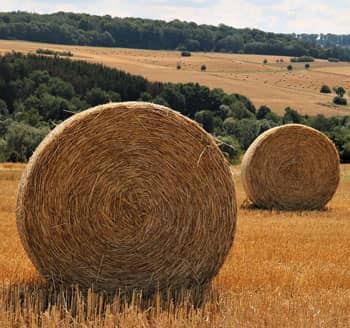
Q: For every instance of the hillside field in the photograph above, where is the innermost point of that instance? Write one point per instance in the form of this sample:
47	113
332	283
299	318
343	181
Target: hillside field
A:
285	270
270	84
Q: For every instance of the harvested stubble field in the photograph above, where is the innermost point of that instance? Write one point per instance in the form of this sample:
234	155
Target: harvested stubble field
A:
285	270
269	84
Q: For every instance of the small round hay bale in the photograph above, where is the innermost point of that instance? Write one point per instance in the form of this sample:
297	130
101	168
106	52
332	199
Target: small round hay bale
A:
127	195
291	167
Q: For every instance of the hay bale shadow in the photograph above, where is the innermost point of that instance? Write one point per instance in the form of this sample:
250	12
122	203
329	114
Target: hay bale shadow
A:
250	206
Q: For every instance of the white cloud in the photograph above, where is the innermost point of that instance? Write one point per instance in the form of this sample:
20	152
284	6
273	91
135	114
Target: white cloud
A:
35	6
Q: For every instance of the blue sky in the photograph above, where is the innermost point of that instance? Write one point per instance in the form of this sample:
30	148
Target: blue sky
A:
310	16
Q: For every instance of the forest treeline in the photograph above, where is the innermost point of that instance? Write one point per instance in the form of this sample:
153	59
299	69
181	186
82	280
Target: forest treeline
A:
38	92
328	40
84	29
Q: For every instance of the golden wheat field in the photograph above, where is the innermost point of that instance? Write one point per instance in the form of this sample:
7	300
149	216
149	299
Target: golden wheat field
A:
269	84
285	270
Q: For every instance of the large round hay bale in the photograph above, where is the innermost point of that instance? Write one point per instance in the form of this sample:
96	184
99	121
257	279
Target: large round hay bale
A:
291	167
127	195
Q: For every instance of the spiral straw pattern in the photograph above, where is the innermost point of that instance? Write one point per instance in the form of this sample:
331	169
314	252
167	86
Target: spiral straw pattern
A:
127	196
291	167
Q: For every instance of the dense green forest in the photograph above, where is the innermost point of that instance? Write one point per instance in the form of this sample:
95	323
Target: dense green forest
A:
83	29
38	92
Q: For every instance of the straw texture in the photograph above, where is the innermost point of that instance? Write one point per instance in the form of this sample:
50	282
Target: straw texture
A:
291	167
127	195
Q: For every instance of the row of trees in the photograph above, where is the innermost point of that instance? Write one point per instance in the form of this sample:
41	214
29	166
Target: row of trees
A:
37	92
54	53
83	29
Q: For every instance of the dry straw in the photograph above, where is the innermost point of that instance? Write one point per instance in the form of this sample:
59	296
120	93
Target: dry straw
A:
127	195
292	167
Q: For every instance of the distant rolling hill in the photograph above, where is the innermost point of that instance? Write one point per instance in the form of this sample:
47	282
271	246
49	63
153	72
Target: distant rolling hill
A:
107	31
265	84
